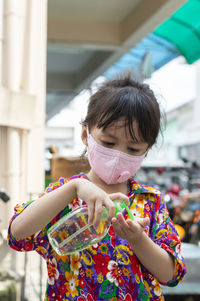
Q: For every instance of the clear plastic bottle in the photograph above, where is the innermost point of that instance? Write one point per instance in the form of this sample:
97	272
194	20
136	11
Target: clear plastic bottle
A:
73	233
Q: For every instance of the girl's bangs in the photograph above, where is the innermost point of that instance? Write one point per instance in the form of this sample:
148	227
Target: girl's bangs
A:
109	117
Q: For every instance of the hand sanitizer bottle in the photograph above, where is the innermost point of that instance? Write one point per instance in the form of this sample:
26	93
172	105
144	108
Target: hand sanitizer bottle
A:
72	232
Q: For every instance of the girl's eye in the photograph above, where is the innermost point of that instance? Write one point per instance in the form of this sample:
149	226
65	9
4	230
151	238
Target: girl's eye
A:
134	150
108	143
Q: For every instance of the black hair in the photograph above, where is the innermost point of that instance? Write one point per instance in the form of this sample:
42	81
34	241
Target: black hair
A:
128	99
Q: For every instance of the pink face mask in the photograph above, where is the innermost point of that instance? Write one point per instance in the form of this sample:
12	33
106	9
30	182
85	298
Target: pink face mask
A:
111	165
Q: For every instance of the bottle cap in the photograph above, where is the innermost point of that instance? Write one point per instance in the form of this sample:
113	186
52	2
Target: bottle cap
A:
119	207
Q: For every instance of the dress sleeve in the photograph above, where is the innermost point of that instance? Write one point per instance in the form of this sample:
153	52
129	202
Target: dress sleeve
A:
38	241
165	235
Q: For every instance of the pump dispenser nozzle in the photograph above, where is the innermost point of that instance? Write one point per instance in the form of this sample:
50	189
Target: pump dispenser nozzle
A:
119	207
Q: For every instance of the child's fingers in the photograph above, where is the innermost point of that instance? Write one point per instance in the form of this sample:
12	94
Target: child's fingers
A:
90	213
97	213
118	228
120	225
108	203
121	220
118	196
143	222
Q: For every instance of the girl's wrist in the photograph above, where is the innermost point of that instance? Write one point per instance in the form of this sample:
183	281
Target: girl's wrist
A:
73	184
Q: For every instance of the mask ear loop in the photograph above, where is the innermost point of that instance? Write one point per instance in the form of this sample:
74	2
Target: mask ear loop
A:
87	130
88	134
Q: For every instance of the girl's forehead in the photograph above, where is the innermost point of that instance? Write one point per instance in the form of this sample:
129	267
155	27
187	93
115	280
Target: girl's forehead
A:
120	128
121	125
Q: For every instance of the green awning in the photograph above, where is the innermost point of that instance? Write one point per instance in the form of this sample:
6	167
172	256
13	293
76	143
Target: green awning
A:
183	30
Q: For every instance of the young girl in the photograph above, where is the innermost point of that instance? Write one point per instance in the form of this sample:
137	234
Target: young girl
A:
135	257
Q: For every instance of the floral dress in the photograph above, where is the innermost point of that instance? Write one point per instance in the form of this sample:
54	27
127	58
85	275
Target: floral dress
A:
108	270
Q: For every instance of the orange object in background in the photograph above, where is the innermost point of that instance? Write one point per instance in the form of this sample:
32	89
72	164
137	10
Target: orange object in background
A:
180	230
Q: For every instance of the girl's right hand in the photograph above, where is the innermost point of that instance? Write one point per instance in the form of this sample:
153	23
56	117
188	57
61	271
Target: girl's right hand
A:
96	198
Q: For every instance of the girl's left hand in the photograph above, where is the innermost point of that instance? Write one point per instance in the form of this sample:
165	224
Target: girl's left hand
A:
128	229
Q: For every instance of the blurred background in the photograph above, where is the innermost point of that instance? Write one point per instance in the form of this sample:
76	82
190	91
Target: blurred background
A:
53	56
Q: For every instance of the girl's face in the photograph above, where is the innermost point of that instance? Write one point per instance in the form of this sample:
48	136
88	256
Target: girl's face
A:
118	137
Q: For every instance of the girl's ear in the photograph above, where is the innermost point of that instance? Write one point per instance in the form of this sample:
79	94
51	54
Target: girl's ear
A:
84	134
